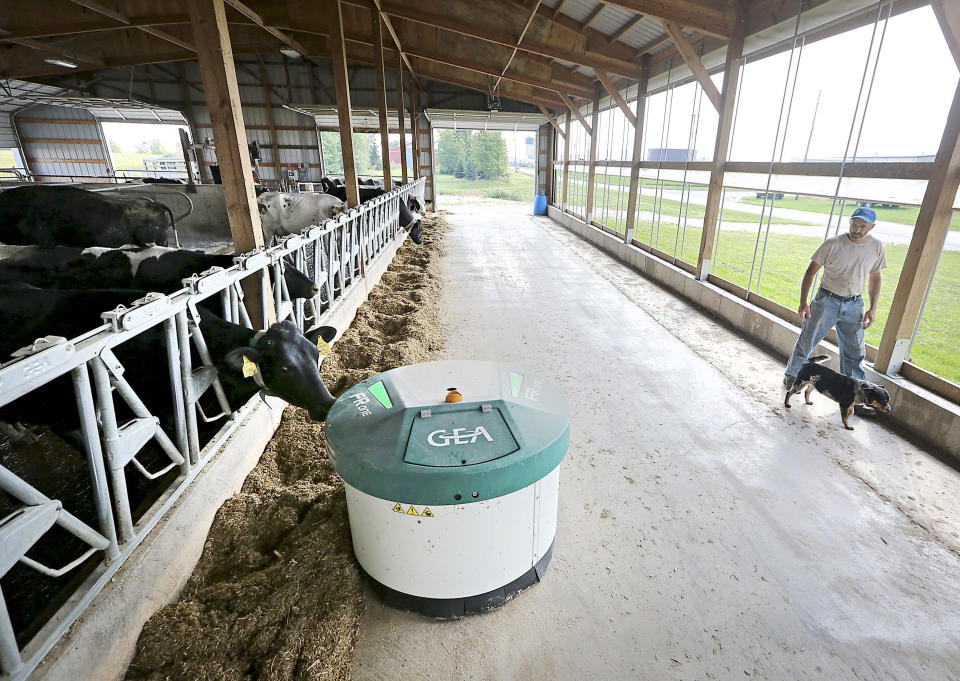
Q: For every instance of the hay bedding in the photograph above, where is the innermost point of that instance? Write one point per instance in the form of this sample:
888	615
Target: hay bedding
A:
276	593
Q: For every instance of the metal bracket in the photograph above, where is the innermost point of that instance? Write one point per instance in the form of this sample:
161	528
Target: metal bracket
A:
254	260
214	278
131	437
143	311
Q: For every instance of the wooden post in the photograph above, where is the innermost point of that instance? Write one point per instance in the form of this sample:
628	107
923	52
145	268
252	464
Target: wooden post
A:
592	172
271	123
191	121
342	86
381	97
401	119
731	76
219	78
414	130
927	241
641	109
566	160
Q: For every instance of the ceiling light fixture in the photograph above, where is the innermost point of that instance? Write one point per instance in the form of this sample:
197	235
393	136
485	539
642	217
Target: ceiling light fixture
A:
61	62
289	52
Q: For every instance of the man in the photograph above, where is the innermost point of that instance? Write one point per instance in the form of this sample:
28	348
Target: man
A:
847	261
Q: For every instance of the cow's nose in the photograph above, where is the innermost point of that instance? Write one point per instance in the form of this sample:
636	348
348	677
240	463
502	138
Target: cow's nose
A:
316	289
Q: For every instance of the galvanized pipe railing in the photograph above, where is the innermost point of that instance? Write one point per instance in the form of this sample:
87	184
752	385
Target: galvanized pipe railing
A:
348	242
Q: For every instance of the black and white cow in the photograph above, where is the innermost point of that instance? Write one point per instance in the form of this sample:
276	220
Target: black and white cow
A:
287	360
154	268
287	213
408	220
69	216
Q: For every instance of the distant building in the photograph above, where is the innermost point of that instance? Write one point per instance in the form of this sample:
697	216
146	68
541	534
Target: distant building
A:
672	155
395	155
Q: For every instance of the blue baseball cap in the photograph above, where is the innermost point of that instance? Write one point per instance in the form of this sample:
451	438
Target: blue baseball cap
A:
868	214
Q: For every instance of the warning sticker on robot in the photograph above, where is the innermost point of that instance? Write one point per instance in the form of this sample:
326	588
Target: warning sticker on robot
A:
412	510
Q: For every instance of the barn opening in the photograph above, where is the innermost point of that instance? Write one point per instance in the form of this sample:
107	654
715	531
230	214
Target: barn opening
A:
146	149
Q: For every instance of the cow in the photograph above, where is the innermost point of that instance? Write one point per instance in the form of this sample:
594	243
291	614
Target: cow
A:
155	268
287	361
409	221
69	216
283	213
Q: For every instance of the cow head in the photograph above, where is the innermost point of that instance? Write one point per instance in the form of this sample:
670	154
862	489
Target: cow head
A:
149	222
288	365
299	285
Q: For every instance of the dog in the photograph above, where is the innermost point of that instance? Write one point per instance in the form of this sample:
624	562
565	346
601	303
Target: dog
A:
838	387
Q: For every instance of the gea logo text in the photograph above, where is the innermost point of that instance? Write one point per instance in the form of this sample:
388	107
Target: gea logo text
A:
458	436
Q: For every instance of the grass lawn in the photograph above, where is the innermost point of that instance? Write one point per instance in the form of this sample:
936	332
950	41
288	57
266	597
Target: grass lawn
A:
514	187
672	208
937	348
624	181
904	215
129	160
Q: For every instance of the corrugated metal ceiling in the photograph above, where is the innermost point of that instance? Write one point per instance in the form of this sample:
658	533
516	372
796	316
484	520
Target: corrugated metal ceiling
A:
14	95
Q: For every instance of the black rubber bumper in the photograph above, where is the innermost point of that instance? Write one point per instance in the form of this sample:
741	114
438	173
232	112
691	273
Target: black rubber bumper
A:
452	608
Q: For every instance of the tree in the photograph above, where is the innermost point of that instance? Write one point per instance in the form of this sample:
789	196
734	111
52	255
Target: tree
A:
115	147
157	146
488	155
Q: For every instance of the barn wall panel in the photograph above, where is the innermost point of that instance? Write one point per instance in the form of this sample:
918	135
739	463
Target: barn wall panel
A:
67	160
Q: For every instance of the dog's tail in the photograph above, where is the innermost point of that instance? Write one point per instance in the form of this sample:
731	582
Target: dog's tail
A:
817	358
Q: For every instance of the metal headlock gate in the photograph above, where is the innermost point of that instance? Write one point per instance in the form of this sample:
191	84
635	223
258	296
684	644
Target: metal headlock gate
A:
337	250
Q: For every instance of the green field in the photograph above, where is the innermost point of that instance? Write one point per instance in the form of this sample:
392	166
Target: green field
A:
129	160
937	347
624	180
904	215
514	187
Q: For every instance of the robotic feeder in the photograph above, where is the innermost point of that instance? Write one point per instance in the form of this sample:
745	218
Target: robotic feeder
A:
452	492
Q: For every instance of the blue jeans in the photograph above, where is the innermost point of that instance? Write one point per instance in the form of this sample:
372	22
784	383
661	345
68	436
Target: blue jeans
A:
825	313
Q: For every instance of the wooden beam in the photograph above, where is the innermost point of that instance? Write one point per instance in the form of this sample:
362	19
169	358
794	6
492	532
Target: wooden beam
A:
622	31
553	121
948	14
258	20
488	32
75	29
592	173
567	86
215	54
382	98
705	16
592	16
731	76
927	242
536	6
50	48
401	119
693	62
617	97
342	86
448	75
641	104
126	21
393	34
576	112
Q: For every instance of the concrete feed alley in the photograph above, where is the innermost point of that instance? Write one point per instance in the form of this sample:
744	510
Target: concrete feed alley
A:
704	531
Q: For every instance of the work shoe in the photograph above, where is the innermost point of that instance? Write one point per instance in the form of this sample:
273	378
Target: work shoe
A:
788	382
864	410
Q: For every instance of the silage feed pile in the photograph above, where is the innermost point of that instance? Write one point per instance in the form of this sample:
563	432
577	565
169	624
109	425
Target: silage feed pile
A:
276	593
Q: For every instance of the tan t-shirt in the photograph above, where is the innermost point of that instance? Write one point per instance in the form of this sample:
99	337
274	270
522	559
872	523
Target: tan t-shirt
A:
846	264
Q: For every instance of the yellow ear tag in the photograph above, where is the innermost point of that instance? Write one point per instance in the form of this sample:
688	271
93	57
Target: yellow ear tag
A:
249	368
323	347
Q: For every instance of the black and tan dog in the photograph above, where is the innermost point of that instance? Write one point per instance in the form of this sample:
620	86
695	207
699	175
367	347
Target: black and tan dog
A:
838	387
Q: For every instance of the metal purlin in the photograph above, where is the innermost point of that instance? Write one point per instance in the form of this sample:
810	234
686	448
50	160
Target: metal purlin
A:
773	152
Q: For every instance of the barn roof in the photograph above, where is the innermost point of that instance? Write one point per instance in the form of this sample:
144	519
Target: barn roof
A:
532	51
